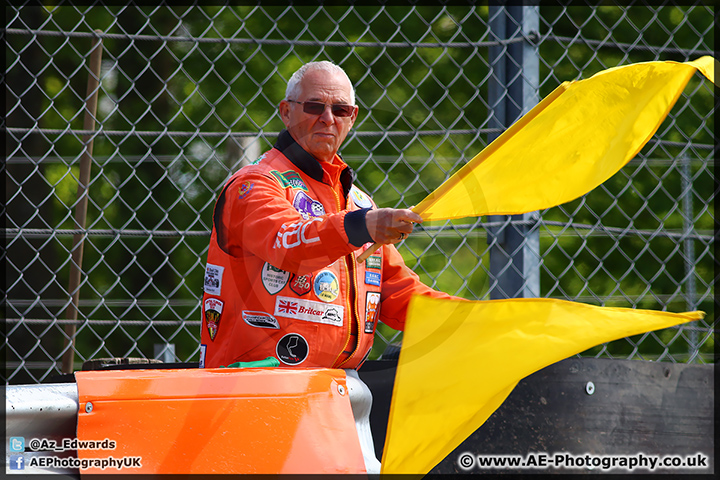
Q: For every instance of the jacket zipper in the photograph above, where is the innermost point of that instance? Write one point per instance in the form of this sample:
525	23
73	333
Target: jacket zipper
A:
350	298
355	314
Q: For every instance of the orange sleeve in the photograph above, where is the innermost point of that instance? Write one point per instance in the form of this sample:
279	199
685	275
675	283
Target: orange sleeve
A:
399	284
258	219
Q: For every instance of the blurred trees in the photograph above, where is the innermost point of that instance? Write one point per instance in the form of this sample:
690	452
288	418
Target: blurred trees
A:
194	108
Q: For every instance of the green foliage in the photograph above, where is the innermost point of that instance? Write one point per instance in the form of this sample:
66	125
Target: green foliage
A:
164	182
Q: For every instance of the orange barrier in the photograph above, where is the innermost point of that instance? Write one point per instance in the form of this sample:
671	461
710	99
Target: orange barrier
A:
200	421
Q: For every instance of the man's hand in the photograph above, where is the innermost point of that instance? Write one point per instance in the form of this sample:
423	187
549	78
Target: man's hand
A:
390	225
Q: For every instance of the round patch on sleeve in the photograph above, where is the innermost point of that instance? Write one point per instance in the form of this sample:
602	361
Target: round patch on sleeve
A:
360	198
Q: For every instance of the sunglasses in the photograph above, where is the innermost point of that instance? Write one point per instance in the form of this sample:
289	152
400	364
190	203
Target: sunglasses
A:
318	108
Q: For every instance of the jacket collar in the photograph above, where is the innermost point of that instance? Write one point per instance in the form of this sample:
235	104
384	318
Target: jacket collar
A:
307	163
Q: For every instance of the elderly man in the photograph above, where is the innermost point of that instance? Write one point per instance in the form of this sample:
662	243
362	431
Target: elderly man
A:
282	278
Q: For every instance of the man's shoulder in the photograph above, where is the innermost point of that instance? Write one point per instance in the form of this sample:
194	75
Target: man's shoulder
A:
272	169
266	163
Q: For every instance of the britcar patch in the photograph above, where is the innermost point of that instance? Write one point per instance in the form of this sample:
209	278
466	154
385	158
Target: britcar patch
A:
260	319
374	262
290	179
307	207
273	278
213	279
301	284
372	278
372	308
360	198
213	312
327	287
309	310
292	349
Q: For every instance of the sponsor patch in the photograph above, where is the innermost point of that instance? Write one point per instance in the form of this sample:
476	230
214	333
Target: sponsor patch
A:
290	179
374	262
372	308
213	313
301	284
260	319
244	189
309	310
327	287
360	198
274	279
292	349
307	207
213	279
203	348
372	278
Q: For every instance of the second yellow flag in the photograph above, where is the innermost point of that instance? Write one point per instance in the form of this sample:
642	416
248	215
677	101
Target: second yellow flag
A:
460	360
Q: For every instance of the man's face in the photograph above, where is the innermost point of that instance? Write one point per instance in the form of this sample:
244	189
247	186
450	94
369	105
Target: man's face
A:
319	135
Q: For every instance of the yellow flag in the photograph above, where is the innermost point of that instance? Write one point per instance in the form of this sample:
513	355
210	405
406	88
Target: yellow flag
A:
460	360
571	142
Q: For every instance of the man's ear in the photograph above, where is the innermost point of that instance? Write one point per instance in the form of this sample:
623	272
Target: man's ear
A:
284	111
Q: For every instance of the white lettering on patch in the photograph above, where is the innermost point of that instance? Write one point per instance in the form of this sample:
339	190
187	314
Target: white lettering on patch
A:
294	235
309	310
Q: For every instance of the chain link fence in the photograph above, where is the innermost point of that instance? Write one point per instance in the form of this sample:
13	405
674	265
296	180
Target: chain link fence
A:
123	122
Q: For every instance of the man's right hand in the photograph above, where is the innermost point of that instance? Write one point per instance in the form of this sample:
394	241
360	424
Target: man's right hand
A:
390	225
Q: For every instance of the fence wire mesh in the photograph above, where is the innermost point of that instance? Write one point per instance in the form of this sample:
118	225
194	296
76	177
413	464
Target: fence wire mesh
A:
187	95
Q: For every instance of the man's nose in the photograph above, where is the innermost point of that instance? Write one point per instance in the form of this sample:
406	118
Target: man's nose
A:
327	115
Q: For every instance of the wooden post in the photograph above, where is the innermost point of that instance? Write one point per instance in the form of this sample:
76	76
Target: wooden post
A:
91	99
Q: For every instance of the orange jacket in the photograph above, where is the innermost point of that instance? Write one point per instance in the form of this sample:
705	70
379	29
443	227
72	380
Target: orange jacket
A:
281	277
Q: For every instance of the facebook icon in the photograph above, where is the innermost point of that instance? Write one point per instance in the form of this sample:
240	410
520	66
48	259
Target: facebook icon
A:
17	462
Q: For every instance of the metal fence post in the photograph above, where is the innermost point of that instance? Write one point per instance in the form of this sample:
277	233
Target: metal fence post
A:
513	90
164	352
689	251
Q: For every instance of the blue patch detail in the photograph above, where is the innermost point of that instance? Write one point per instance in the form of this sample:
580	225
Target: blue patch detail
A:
372	278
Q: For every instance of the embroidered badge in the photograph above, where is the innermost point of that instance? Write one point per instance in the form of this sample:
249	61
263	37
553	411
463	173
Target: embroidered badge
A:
274	279
327	287
213	279
301	284
292	349
359	198
372	308
309	310
307	207
260	319
290	179
244	189
213	312
372	278
374	262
